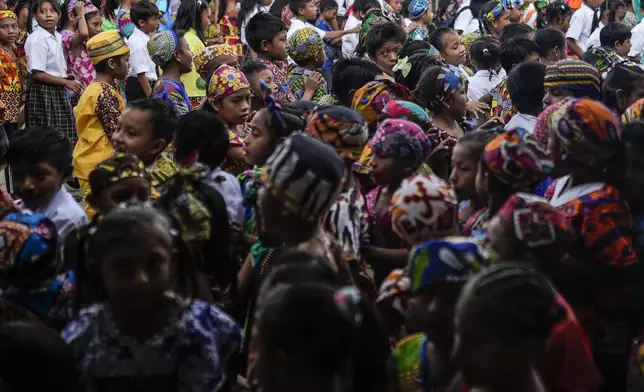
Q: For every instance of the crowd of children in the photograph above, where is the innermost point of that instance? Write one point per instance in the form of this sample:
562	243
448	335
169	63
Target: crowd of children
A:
326	195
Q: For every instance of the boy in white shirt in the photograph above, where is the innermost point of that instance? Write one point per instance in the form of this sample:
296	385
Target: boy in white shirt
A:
637	39
582	24
351	40
525	85
142	73
305	10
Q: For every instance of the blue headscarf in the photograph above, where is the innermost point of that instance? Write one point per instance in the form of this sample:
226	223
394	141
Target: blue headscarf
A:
417	8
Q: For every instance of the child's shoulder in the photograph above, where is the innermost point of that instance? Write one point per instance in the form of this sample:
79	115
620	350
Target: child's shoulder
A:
207	322
82	324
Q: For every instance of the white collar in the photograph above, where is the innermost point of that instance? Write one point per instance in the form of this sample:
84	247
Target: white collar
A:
562	194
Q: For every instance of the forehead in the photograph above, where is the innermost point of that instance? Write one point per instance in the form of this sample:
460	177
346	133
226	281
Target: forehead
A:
134	115
8	21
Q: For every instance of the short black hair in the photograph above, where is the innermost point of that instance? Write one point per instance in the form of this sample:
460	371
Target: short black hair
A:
514	30
326	5
348	75
614	32
411	47
436	37
549	38
381	34
101	67
557	10
516	51
418	62
364	5
525	85
296	5
202	132
162	116
252	68
262	27
41	144
142	11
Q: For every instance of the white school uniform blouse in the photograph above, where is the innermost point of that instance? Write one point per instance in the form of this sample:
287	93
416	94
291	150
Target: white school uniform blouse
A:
466	22
350	41
594	41
297	24
45	53
520	120
580	25
480	84
140	60
637	40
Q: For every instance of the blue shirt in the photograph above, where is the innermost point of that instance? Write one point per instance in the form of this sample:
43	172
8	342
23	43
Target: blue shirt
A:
332	51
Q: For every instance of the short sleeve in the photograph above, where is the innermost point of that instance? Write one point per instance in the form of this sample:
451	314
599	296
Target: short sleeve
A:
139	60
637	42
577	25
108	112
37	55
463	20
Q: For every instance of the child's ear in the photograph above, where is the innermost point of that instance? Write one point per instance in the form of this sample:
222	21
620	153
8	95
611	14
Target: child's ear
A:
216	105
158	146
264	45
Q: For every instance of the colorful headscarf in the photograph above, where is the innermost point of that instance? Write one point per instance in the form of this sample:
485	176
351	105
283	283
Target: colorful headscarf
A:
28	241
423	207
114	169
602	59
226	81
5	14
587	130
574	75
537	225
71	6
405	110
371	99
395	292
448	83
448	260
106	45
541	131
341	127
209	53
304	44
510	4
496	12
371	19
516	159
634	112
162	46
417	8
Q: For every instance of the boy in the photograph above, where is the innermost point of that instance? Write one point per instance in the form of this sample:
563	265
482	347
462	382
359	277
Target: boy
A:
256	72
146	128
10	81
582	24
99	108
383	43
552	45
525	85
332	48
170	51
40	164
142	74
266	36
360	9
616	37
305	10
306	48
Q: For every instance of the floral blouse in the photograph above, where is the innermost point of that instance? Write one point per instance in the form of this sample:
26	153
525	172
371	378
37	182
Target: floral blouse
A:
11	85
79	64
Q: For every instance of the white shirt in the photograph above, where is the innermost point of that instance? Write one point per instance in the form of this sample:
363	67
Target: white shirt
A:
637	40
255	11
466	22
297	24
65	213
520	120
228	186
45	53
480	84
593	41
580	25
140	60
532	12
343	6
350	41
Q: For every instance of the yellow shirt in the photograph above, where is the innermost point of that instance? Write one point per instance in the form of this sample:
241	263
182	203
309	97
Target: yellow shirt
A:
189	80
97	114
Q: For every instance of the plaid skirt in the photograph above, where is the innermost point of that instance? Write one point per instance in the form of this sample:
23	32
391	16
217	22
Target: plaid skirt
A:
47	105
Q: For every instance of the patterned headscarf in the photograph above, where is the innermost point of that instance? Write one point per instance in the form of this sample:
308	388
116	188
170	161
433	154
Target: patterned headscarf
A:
574	75
510	4
602	59
341	127
496	12
400	139
634	112
4	14
423	207
448	83
162	46
541	131
587	130
304	44
371	99
28	241
395	292
114	169
226	81
516	159
209	53
371	19
405	110
537	225
448	260
71	6
417	8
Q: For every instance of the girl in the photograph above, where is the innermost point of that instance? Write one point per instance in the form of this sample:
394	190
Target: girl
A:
349	75
570	78
140	325
449	45
192	17
623	85
557	15
420	14
484	55
525	310
494	17
123	20
46	96
229	97
408	70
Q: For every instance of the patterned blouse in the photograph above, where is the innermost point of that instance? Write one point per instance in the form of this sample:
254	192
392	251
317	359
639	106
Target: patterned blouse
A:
502	103
161	170
296	81
231	35
79	64
190	354
418	34
283	96
174	93
11	85
124	23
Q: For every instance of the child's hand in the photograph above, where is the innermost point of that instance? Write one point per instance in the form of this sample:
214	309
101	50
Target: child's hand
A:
477	107
74	85
79	9
356	29
313	82
492	122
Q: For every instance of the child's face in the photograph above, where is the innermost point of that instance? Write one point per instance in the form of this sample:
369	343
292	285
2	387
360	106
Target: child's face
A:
133	190
216	63
121	67
499	243
94	25
259	143
23	16
396	5
464	168
276	48
9	31
385	170
47	17
36	183
205	18
387	55
235	108
453	50
184	56
620	14
150	25
320	59
563	24
309	11
622	48
136	136
329	14
516	15
503	21
267	77
457	106
554	95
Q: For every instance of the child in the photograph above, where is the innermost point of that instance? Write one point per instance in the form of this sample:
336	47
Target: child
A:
623	85
637	40
484	55
306	48
46	97
383	43
516	29
332	48
177	341
349	75
409	70
494	17
266	35
229	98
169	51
207	60
552	44
570	78
40	160
123	18
451	48
515	8
146	128
255	74
525	85
351	42
192	18
305	10
247	10
617	37
612	11
11	83
421	16
557	15
142	73
99	108
582	24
